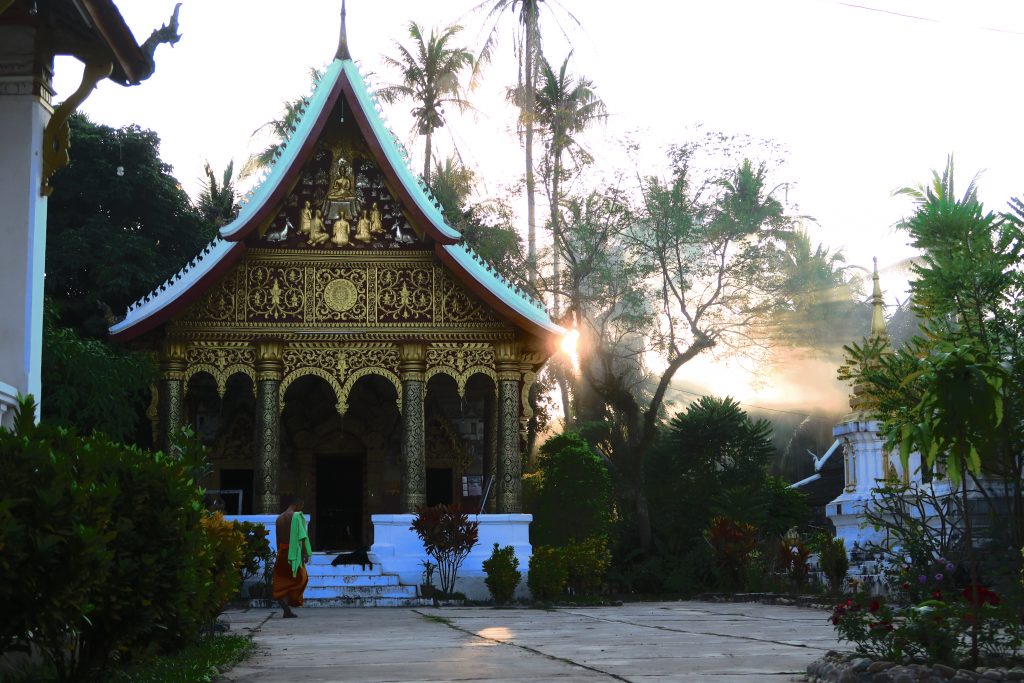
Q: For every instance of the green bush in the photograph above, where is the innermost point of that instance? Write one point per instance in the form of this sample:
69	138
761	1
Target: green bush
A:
55	526
572	497
548	573
102	555
587	564
226	544
832	560
503	575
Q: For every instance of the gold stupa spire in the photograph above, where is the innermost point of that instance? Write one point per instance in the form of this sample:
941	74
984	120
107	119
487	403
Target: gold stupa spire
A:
877	306
342	52
858	400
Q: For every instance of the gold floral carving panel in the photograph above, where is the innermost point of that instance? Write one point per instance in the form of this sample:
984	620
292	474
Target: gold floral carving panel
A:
221	360
321	292
461	361
341	366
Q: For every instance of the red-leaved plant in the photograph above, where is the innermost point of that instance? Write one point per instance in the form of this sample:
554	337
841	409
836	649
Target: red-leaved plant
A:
448	535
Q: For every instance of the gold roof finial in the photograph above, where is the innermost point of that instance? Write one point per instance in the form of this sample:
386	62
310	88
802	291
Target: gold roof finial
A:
877	306
342	52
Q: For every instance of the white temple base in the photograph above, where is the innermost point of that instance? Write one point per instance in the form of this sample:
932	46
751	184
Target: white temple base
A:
400	551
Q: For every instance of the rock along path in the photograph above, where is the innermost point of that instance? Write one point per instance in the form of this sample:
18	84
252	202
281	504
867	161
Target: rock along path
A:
638	642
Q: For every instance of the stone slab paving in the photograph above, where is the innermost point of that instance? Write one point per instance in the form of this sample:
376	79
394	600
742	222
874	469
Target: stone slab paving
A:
638	642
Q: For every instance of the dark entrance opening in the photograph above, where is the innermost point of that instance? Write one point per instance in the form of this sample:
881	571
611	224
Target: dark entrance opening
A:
439	486
237	480
339	502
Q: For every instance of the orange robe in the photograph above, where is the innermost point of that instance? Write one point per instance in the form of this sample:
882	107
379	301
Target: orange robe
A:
286	585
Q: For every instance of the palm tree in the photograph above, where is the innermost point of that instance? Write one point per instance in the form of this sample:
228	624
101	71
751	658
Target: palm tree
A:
430	77
565	107
218	201
528	49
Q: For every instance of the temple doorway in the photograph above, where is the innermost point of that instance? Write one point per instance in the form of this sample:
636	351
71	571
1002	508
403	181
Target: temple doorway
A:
339	502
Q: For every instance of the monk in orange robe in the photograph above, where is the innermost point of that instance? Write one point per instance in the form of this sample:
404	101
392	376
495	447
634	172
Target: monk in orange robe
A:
290	576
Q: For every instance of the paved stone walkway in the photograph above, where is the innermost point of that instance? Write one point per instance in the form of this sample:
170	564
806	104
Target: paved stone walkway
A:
638	642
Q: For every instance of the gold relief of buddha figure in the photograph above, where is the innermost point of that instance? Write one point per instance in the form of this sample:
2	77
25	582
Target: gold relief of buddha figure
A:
317	231
305	218
341	232
363	228
376	223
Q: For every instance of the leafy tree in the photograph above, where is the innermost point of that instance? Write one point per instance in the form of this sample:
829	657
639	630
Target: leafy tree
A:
574	498
92	385
954	392
111	238
218	203
430	78
822	305
528	51
696	268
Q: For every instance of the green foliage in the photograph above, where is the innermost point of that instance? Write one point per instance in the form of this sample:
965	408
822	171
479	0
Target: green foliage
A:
503	575
110	237
548	573
255	550
218	202
732	544
793	554
832	559
201	662
103	552
934	628
573	500
226	543
448	535
587	563
91	384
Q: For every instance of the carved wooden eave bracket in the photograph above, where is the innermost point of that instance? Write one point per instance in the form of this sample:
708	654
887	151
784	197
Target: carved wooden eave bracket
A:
57	135
115	56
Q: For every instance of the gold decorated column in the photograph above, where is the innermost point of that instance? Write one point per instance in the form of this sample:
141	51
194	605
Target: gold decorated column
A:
412	365
269	368
490	459
171	392
510	464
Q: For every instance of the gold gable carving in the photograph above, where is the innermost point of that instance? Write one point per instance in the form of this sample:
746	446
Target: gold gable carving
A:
281	291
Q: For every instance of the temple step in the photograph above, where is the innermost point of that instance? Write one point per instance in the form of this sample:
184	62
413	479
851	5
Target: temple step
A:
335	579
348	591
367	602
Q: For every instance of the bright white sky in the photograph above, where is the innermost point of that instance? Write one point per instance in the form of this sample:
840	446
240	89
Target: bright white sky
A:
864	100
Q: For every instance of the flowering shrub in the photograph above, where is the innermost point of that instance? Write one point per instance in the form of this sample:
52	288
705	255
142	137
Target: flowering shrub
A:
935	626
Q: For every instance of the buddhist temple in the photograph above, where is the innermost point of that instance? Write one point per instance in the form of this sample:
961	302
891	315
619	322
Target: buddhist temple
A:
340	342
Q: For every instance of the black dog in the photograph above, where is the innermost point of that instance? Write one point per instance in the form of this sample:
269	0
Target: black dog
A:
359	557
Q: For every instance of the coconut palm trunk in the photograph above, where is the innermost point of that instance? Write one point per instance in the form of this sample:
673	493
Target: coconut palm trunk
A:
530	66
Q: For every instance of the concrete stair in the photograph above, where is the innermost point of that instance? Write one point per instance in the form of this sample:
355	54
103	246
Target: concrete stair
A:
349	585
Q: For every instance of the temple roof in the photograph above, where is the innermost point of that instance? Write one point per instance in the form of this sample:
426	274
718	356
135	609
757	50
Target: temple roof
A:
341	80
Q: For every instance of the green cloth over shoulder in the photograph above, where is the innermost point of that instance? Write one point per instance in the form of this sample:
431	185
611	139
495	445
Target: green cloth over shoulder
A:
298	542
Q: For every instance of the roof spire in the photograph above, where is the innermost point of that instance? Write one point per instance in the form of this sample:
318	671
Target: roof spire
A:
342	52
877	306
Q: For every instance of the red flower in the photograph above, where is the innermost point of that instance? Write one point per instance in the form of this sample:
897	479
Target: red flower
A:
937	595
874	606
980	595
